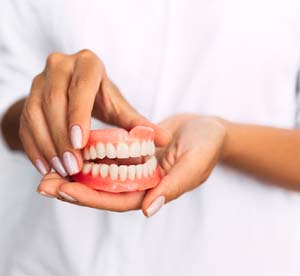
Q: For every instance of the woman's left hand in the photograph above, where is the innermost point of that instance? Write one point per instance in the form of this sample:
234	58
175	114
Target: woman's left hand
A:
186	163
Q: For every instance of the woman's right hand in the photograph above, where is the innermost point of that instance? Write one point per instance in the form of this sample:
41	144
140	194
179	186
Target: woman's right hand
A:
55	121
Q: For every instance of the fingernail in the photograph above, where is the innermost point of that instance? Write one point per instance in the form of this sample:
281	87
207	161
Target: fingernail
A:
45	194
155	206
70	163
67	197
58	166
40	166
76	137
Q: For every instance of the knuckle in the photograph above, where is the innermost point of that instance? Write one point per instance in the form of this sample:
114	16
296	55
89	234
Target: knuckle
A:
50	98
30	111
37	79
79	82
86	53
53	59
177	191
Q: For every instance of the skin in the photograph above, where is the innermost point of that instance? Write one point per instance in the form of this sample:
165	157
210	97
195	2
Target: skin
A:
190	144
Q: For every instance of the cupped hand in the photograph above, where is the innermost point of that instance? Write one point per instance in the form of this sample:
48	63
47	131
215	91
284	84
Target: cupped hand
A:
186	162
55	121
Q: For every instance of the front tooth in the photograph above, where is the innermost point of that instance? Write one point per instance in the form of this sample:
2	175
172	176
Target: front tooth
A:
111	151
131	172
135	149
100	148
144	150
113	171
139	171
86	154
93	152
122	150
95	170
86	168
151	148
145	170
123	172
104	170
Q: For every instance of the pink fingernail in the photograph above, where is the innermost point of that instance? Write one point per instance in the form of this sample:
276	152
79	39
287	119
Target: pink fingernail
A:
76	137
40	166
70	163
155	206
45	194
58	166
67	197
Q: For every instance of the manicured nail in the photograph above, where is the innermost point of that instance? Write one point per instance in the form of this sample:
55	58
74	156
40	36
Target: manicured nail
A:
155	206
70	163
40	166
67	197
58	166
45	194
76	137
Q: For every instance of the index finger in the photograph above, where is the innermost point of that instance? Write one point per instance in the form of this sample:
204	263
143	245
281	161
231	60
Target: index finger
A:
87	76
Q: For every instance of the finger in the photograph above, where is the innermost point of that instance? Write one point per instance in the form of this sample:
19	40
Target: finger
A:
182	177
114	109
74	192
32	150
33	118
55	108
85	84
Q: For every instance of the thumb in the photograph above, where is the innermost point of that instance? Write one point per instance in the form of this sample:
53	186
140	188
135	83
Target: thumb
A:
111	107
181	178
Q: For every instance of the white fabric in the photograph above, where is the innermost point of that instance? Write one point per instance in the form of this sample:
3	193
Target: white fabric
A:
235	59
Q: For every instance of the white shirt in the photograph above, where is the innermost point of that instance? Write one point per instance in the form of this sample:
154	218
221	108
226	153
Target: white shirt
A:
234	59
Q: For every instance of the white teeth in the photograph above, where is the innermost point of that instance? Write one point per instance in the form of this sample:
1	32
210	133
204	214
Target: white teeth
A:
139	171
145	170
86	168
104	170
86	154
100	148
95	170
131	172
151	148
135	149
93	153
123	172
113	171
144	148
111	151
122	150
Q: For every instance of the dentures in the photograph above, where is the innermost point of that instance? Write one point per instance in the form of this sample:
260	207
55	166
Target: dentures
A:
119	161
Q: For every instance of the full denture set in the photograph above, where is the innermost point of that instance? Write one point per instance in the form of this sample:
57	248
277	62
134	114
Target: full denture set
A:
119	161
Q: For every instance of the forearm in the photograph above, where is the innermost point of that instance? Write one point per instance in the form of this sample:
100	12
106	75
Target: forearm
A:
270	153
10	125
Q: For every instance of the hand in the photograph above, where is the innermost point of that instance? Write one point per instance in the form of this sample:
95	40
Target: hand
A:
186	163
55	121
